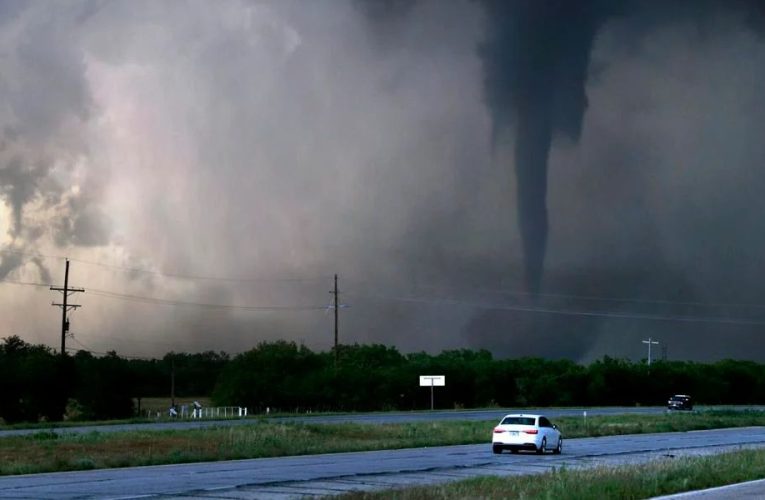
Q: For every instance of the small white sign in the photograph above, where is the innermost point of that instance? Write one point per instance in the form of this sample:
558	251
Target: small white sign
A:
432	380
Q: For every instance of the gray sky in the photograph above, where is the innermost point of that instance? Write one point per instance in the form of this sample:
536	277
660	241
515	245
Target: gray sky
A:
277	143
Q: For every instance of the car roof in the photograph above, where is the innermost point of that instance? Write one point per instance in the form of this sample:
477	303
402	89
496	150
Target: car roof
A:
527	415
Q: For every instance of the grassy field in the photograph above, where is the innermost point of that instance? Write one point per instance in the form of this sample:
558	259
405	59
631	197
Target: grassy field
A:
573	427
643	481
157	409
47	451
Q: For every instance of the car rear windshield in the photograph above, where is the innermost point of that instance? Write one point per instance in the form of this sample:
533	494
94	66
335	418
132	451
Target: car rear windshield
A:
519	421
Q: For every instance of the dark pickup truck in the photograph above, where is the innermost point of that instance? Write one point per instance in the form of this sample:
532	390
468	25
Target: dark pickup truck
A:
680	402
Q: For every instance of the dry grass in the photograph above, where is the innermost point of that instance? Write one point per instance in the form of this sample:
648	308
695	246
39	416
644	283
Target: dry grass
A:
47	451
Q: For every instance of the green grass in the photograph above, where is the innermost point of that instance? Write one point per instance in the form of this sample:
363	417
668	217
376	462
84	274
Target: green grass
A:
573	427
661	477
46	451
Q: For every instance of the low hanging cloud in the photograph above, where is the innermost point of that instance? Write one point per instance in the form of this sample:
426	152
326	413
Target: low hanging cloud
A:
43	115
289	141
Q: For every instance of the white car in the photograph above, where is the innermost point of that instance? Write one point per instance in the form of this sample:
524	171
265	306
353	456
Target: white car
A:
526	432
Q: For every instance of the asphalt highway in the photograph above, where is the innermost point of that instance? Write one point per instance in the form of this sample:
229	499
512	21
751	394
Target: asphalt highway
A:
291	477
371	418
749	490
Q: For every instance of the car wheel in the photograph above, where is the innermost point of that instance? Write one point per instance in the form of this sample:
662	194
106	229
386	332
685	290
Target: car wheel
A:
541	449
496	449
559	449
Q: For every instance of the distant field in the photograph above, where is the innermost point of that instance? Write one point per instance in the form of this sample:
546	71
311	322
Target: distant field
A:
151	410
47	451
162	405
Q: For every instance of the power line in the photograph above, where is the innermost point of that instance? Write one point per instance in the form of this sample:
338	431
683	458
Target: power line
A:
169	302
98	353
593	298
484	305
89	349
570	312
173	275
433	301
26	283
204	278
179	276
31	254
130	338
76	341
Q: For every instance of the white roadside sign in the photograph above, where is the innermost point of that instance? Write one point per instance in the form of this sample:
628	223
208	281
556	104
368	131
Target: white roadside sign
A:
432	380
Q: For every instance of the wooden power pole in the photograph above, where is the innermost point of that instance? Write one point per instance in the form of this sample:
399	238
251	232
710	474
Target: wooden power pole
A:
65	306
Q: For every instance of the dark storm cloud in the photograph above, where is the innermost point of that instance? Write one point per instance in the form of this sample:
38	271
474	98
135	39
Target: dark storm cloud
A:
42	269
9	262
532	48
536	60
19	184
45	101
428	150
81	221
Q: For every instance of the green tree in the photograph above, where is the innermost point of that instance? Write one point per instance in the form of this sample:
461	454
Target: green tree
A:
275	375
105	386
34	382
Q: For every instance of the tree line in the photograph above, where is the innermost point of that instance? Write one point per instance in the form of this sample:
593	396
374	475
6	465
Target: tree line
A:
39	384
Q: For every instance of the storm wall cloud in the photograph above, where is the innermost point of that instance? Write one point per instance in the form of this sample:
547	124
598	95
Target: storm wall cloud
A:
446	159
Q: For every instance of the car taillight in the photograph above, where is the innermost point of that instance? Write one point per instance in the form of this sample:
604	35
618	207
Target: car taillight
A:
532	431
497	430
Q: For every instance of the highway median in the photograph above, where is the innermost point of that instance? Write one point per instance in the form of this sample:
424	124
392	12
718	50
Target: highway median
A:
48	451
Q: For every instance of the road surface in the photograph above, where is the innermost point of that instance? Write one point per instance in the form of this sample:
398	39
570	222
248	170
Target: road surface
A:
749	490
291	477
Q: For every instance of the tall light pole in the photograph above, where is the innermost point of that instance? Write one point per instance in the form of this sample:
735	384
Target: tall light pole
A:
649	342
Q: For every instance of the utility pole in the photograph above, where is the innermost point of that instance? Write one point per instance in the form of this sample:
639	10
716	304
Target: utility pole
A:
65	306
649	342
172	382
337	309
336	306
336	294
